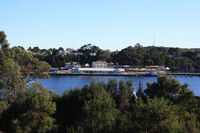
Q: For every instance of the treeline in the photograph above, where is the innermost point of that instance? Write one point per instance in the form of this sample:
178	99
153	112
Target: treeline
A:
178	59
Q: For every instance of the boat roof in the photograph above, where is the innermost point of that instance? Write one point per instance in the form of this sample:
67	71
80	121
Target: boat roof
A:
100	69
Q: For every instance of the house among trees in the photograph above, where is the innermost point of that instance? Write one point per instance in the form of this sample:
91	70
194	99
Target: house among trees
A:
69	51
70	65
99	64
93	54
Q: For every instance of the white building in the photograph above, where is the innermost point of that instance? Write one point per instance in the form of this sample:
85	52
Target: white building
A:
69	51
70	65
93	54
99	64
98	70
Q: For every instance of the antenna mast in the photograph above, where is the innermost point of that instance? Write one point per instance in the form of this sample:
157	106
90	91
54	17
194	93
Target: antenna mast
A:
154	39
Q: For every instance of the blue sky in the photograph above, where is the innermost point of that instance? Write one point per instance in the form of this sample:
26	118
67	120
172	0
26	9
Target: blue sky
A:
109	24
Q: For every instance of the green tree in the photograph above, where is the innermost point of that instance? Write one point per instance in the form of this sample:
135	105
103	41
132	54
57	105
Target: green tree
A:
16	65
125	94
112	86
171	89
189	123
69	110
11	81
30	66
164	87
155	116
104	55
3	42
36	49
37	116
100	115
140	92
100	110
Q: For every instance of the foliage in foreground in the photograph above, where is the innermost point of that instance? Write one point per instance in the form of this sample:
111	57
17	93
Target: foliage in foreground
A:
105	107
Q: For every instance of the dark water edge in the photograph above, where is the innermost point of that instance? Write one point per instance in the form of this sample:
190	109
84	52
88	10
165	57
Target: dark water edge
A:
61	83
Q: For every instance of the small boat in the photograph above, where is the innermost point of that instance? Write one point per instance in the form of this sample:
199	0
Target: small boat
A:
152	74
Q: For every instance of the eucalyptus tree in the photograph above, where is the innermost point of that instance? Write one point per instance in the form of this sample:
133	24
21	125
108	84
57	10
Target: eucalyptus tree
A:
16	65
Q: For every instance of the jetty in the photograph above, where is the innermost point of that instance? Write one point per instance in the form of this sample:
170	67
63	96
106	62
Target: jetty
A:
70	73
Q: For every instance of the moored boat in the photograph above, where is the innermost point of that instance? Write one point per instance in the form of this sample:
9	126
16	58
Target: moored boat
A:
152	74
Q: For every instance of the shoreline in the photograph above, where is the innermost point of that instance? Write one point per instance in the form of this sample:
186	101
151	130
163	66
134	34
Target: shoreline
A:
96	74
125	74
183	74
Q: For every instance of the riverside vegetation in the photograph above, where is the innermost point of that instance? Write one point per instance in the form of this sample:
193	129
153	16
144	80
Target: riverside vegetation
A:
165	106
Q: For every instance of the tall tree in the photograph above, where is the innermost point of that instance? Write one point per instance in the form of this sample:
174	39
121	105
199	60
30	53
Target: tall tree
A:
37	116
16	65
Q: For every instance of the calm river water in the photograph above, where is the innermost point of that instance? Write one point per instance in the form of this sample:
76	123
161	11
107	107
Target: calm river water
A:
62	83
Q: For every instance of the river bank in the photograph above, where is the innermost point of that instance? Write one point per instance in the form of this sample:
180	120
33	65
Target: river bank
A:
70	73
153	74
